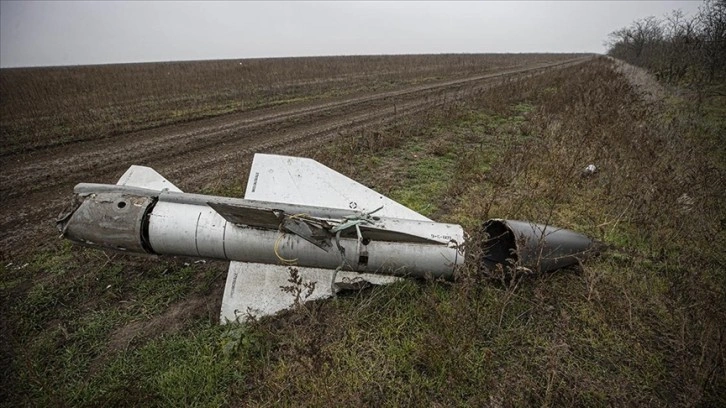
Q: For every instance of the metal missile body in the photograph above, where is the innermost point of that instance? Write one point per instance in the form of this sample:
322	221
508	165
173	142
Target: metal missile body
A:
295	212
170	223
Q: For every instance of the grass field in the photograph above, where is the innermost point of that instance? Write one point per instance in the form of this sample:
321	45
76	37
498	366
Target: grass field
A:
639	325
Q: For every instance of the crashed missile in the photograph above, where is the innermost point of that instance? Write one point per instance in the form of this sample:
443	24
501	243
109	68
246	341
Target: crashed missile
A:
335	231
295	212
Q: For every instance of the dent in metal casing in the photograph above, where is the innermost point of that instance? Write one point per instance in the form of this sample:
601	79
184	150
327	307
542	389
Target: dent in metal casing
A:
110	220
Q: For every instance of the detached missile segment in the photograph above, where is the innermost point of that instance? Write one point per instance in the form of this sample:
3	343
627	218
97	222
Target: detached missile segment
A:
295	212
536	247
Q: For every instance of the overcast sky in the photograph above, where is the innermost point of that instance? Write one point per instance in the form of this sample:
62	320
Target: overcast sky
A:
72	33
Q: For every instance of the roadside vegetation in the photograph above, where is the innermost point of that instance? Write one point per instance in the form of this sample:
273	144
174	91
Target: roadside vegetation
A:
685	50
639	325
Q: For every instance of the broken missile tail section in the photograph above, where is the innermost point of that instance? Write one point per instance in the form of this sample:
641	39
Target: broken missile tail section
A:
296	212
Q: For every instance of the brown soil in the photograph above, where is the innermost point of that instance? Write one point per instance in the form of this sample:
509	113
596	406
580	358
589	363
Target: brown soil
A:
35	186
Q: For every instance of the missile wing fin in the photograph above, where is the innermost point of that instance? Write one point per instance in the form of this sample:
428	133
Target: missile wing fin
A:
302	181
146	177
255	289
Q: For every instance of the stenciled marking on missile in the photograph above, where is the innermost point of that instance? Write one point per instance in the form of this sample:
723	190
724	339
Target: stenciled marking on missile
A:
438	236
254	183
234	282
353	205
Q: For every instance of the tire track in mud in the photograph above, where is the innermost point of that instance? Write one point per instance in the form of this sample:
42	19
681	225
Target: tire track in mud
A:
34	187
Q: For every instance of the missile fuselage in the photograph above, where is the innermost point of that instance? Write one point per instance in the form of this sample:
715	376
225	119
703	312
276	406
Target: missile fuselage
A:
297	217
297	213
133	219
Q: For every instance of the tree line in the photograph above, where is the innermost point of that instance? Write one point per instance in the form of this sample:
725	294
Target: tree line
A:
677	48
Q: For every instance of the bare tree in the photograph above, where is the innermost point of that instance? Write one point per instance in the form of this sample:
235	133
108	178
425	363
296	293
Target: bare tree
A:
713	31
677	48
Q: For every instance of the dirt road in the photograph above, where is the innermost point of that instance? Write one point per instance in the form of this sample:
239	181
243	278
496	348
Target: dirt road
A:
35	186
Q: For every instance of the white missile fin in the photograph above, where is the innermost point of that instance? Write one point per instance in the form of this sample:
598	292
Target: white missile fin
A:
146	177
254	289
302	181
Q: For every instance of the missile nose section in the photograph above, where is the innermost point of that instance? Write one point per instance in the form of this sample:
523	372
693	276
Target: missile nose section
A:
538	247
114	220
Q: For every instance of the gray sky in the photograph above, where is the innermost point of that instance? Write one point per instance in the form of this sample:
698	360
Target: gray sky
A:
71	33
